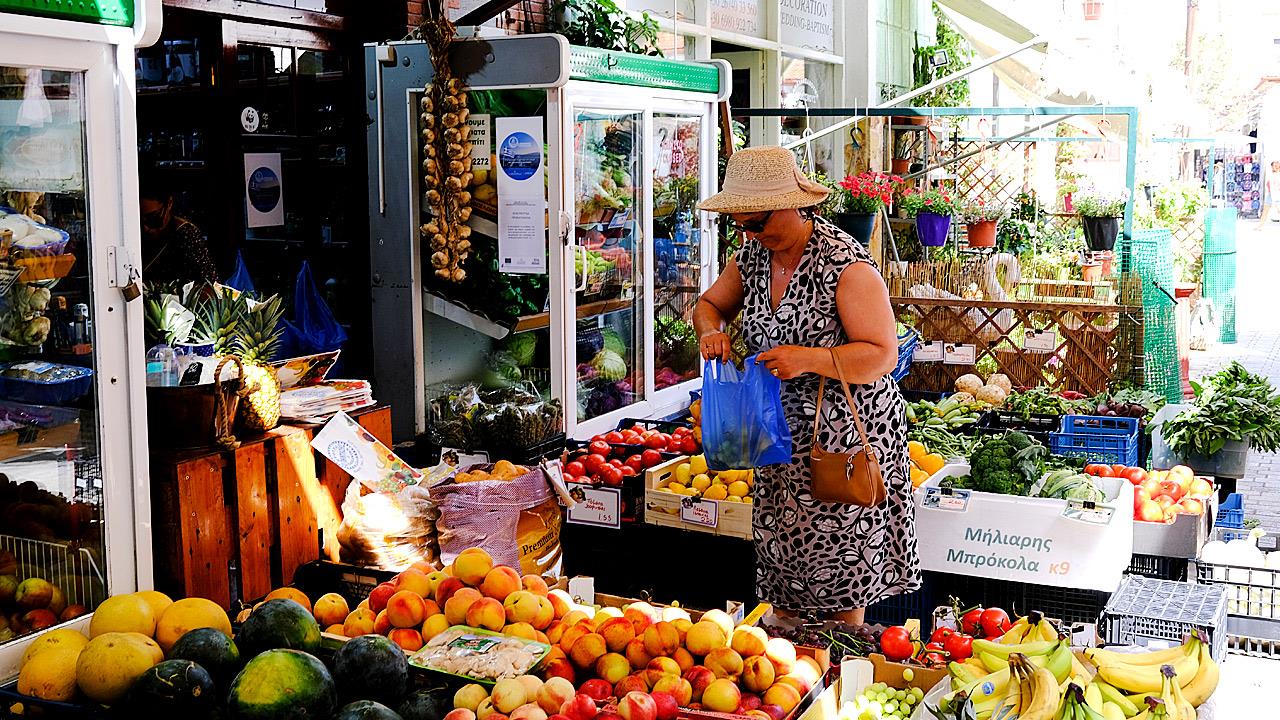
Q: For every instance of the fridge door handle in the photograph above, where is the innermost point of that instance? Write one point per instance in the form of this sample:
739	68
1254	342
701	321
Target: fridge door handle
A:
386	55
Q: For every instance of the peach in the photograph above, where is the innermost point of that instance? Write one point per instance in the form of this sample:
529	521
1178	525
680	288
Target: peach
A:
559	668
459	604
674	613
520	630
500	582
532	684
446	589
782	695
406	609
555	631
576	617
546	614
606	613
460	713
435	578
666	706
434	625
529	711
617	633
749	641
535	584
382	623
641	615
699	678
33	594
359	622
658	667
661	638
704	637
683	626
486	710
331	609
580	707
634	682
774	712
750	701
612	667
334	629
797	681
407	638
487	613
808	668
556	653
725	663
683	658
637	706
415	581
596	689
561	602
572	636
522	606
471	566
722	695
676	687
470	696
720	618
379	596
587	650
783	655
508	694
39	619
554	693
757	673
636	653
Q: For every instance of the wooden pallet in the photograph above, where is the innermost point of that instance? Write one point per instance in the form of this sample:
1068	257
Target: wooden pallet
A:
233	525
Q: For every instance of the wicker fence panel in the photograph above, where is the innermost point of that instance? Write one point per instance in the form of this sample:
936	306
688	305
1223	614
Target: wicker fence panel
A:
1188	249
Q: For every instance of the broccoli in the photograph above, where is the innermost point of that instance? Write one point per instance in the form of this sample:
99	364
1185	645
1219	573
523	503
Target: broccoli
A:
1007	464
1019	441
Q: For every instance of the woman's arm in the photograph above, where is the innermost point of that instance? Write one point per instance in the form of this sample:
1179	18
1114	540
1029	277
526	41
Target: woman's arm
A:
718	305
862	301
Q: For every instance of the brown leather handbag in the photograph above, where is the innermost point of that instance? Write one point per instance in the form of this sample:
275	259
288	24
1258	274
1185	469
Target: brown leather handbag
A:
848	478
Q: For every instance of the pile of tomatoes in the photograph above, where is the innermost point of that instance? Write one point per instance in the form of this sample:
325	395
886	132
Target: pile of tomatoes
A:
680	440
945	644
1160	496
609	465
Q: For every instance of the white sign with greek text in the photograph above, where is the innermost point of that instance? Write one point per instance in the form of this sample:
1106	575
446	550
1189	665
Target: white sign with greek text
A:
700	512
597	506
522	224
481	141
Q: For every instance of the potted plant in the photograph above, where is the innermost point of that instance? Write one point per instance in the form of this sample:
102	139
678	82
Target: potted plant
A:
981	219
861	197
1100	214
901	163
932	210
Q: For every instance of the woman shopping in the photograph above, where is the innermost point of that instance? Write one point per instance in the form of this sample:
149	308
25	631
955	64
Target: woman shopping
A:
810	297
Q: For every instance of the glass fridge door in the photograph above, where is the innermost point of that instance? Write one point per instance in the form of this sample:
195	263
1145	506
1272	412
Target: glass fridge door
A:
608	258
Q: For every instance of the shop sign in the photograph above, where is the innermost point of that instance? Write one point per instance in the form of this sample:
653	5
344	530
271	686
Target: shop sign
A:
595	506
744	17
263	190
481	141
522	229
808	24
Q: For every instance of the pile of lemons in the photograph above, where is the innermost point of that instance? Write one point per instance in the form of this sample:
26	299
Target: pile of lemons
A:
694	479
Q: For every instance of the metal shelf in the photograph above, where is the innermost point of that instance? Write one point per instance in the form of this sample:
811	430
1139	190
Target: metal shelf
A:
464	317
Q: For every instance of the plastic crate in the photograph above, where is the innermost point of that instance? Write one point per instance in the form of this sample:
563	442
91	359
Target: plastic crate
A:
907	343
56	392
1036	425
1146	609
1097	439
1070	605
1231	512
350	581
897	609
1158	567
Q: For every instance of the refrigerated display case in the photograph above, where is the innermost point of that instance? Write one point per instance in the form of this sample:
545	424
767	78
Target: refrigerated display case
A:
606	332
74	510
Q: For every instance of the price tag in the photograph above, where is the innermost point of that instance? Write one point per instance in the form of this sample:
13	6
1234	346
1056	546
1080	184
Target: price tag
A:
948	499
1040	340
700	512
595	506
957	354
928	352
461	458
1088	512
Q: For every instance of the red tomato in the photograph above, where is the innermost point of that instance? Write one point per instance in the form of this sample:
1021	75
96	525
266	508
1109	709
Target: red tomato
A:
959	646
933	659
610	475
941	634
971	622
616	462
631	437
689	445
895	643
649	458
655	441
599	447
995	622
575	469
613	437
1098	470
628	471
635	461
681	431
646	433
597	438
1134	475
593	462
1172	489
639	429
1117	470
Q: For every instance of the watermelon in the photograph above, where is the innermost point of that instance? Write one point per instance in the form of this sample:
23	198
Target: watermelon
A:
173	688
366	710
281	685
370	667
211	650
279	624
426	704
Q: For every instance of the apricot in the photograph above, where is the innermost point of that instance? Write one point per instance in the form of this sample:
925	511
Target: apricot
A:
612	667
379	596
500	582
783	655
617	633
520	630
536	585
446	589
722	695
470	696
415	581
699	677
382	623
532	684
359	622
677	687
575	617
587	650
683	658
522	606
556	691
434	625
561	602
571	637
757	673
555	631
782	695
749	641
407	638
406	609
559	668
331	609
725	663
471	567
546	613
508	694
636	653
658	667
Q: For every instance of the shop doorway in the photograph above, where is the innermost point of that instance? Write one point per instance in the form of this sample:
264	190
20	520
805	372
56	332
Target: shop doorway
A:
748	89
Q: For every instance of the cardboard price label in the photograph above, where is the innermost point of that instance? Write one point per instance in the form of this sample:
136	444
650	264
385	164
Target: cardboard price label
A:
954	354
931	351
700	512
1040	341
595	506
947	499
1088	511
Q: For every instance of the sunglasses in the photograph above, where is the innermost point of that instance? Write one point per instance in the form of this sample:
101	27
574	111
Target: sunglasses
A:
752	226
153	220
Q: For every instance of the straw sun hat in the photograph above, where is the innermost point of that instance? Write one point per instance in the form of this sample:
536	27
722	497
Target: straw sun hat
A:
761	179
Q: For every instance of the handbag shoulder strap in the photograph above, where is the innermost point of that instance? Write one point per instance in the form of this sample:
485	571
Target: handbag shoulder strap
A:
853	407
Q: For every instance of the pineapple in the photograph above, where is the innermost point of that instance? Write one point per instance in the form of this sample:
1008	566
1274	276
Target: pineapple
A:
257	337
218	312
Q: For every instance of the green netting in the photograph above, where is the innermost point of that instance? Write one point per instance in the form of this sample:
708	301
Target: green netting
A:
1220	268
612	66
1152	257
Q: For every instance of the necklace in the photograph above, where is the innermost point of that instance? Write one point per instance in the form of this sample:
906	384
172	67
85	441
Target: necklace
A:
787	269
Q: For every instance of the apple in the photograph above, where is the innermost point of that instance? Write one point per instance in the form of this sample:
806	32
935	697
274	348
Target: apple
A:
596	689
1150	511
1200	488
580	707
1172	489
1191	506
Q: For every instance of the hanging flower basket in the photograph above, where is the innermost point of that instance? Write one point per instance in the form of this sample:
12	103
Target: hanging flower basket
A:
1100	232
932	229
982	234
859	225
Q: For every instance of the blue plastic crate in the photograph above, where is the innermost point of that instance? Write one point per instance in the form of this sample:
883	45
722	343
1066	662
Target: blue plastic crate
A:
1097	438
1231	512
906	350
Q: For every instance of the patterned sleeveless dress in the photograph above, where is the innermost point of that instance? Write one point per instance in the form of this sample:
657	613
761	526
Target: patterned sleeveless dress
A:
813	556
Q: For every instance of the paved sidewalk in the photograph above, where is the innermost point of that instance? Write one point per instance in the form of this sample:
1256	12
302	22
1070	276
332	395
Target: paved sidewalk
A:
1258	349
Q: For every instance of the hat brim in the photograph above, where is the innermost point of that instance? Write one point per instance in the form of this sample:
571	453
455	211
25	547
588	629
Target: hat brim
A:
727	202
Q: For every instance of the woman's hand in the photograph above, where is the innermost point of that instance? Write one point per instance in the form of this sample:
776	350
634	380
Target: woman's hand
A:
715	344
787	361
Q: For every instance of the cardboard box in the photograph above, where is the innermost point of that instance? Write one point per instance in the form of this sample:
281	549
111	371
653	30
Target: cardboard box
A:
843	688
1024	539
719	517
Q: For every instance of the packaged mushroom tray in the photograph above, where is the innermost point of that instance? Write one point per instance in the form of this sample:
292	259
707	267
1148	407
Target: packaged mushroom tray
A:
479	655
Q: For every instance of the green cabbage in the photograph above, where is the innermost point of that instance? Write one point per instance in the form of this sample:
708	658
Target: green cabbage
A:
614	342
609	365
520	347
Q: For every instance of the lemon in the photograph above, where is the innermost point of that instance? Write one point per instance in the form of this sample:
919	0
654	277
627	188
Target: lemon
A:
731	498
698	464
692	492
739	489
747	500
683	473
716	492
701	482
668	489
676	487
916	449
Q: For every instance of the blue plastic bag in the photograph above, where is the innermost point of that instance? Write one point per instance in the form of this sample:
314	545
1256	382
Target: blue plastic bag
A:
240	279
314	329
743	425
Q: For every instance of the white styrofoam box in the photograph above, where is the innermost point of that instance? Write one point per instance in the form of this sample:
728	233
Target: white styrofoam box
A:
1024	539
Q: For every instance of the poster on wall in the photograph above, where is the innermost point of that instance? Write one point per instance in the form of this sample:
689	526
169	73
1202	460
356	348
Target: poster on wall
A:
522	223
808	24
263	190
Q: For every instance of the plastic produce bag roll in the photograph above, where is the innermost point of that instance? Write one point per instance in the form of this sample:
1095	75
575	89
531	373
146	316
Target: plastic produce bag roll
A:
743	425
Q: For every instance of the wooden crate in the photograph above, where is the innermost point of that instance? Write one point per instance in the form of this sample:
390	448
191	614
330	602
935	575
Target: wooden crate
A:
233	525
664	508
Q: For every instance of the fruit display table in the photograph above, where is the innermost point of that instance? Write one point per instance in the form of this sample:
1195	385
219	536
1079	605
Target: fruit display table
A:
231	525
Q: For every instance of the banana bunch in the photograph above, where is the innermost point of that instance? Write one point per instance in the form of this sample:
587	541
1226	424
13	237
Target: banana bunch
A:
989	679
1076	705
446	152
1181	677
1029	627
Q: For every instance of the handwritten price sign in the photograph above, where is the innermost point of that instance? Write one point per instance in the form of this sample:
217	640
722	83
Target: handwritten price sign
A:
599	507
